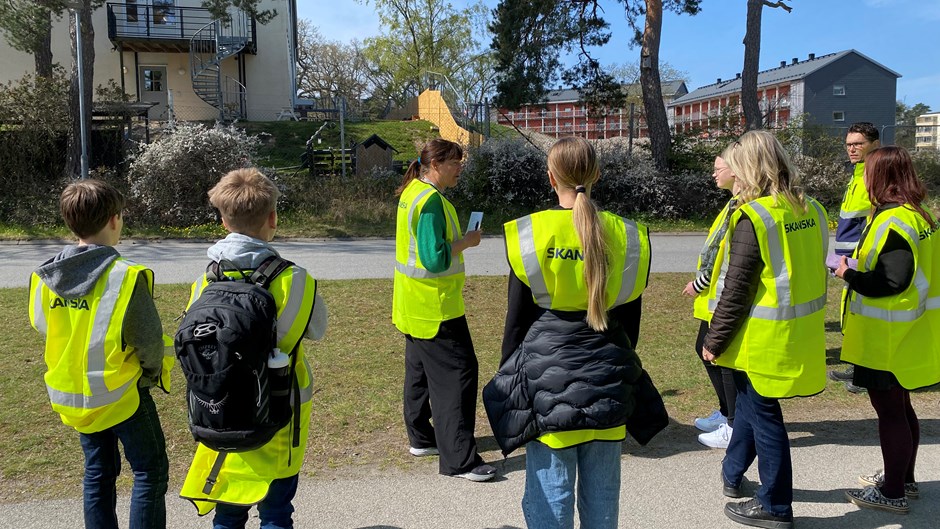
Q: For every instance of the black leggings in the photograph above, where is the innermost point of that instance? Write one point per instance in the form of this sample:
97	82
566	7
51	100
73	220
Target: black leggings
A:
900	436
722	379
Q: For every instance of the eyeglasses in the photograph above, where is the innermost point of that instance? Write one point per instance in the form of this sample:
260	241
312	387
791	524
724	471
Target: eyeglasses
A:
856	145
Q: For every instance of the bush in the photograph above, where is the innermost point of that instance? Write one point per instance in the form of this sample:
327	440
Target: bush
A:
170	178
33	125
504	177
631	186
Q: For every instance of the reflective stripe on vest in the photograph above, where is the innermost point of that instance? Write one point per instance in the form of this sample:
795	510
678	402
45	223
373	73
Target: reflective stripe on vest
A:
855	202
100	394
784	309
533	268
410	269
920	282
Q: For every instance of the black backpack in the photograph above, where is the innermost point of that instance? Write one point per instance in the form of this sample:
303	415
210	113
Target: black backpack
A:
236	402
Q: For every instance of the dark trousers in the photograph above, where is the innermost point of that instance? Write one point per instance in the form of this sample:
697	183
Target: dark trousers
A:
275	510
759	432
441	385
899	432
145	450
722	379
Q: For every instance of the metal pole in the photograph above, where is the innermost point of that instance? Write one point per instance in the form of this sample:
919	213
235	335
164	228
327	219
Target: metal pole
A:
81	92
342	133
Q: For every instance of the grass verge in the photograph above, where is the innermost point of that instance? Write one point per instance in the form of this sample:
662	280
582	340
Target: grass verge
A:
358	379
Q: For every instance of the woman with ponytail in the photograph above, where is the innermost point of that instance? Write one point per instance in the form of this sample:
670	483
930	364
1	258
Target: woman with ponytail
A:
441	369
569	377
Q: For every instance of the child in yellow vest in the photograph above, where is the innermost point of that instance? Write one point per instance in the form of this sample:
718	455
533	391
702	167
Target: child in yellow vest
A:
267	476
104	351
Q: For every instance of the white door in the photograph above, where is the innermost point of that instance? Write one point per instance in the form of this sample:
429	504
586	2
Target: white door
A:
153	88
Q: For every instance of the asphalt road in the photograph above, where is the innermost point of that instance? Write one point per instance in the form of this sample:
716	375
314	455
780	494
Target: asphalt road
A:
183	261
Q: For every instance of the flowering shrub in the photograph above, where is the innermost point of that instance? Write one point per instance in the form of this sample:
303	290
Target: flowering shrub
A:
170	178
504	175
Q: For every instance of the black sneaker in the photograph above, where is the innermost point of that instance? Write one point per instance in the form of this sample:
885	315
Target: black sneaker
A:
729	490
751	513
482	472
852	388
843	376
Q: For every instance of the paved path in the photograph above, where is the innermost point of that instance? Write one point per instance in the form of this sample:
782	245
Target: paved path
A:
182	261
673	483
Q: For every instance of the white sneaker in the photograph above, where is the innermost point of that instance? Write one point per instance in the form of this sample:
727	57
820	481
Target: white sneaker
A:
711	423
423	452
717	439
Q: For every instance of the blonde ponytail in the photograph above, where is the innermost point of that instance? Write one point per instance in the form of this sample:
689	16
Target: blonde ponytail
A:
573	163
591	233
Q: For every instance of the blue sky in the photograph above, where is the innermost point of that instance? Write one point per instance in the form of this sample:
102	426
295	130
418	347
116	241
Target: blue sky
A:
899	34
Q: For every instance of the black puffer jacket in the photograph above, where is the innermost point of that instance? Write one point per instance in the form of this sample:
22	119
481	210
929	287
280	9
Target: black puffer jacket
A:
563	377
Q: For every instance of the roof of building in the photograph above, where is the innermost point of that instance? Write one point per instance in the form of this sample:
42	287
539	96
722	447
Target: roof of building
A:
787	72
375	139
670	89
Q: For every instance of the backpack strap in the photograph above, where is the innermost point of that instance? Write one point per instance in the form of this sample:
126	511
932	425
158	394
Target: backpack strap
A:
262	276
268	270
214	473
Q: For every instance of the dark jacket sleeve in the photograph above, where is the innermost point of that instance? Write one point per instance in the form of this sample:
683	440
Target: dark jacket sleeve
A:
741	282
892	274
628	316
521	313
144	333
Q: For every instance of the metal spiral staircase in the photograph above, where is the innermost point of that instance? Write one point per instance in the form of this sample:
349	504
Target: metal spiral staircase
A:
213	43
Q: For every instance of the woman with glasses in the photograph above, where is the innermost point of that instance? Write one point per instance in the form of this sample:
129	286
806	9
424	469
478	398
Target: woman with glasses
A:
890	317
719	425
441	369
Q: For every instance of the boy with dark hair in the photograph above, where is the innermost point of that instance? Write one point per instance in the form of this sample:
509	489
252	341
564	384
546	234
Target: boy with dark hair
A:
861	139
231	482
104	350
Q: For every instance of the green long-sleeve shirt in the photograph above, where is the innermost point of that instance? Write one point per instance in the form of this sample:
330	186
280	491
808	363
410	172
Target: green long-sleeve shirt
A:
433	248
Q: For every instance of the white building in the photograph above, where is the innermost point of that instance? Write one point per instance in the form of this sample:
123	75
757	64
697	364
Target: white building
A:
173	52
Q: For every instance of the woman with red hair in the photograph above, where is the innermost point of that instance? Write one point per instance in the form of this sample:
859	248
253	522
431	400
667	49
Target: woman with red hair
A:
891	309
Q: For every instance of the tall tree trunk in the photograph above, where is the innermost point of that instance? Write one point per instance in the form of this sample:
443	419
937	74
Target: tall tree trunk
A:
752	113
657	122
73	166
43	54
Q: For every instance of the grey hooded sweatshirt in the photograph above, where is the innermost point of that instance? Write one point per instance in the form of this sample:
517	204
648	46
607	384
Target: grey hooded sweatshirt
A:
248	253
73	274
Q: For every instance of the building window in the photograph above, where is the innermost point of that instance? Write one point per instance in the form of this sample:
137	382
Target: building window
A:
838	116
838	90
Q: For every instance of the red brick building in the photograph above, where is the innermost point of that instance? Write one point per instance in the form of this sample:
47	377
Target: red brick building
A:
564	114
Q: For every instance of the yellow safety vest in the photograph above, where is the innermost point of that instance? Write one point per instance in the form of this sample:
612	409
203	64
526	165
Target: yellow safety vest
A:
545	253
244	477
423	299
855	203
782	344
91	377
899	333
701	303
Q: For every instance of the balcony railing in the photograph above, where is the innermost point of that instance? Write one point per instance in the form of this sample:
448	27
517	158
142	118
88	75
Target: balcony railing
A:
161	23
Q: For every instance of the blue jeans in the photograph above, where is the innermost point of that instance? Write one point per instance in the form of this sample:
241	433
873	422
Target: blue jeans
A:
550	475
759	432
275	509
145	450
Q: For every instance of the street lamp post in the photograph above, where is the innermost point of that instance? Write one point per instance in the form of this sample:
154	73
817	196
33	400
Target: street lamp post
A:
76	7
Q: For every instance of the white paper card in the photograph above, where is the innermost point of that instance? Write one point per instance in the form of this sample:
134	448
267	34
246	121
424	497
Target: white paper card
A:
476	220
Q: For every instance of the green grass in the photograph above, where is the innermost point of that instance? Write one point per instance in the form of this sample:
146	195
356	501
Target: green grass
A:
284	141
358	378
